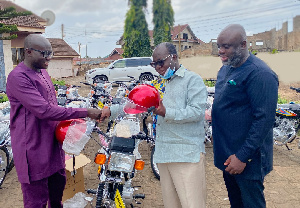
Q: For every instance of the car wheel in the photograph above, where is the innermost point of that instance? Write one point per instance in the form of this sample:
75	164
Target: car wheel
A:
101	78
146	77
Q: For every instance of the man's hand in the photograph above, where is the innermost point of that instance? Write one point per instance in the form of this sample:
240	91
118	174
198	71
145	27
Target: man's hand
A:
93	113
160	110
105	114
234	165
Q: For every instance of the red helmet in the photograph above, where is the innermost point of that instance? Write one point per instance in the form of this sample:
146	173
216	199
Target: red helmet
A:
142	97
63	126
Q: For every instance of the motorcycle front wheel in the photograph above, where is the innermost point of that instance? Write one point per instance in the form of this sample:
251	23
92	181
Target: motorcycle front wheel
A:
99	196
4	158
11	165
154	165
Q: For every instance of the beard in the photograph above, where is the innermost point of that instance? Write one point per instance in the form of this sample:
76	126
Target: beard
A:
40	64
236	58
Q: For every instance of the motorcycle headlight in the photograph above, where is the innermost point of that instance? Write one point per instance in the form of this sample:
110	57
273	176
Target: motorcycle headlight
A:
121	162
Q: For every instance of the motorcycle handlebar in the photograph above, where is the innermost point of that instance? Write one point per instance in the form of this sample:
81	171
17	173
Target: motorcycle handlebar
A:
296	89
140	135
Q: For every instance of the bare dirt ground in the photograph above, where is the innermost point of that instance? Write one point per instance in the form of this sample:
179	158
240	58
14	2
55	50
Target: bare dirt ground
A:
282	186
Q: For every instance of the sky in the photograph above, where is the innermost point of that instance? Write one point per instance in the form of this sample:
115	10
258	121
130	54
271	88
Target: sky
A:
96	25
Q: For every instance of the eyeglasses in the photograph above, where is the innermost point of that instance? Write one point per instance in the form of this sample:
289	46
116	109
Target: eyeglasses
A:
46	54
159	62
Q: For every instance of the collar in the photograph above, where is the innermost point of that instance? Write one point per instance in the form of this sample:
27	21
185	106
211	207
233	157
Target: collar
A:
180	71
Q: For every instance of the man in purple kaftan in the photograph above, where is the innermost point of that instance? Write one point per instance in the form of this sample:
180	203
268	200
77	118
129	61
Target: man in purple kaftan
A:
39	158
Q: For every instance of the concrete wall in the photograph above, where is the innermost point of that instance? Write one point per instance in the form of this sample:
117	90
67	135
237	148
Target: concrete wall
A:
7	57
61	68
19	42
204	49
281	40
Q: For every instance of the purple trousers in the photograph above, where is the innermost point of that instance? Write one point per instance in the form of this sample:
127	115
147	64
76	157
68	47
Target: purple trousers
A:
38	193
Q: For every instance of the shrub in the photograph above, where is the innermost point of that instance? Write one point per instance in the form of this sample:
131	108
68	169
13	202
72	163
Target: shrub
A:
57	82
254	52
274	51
210	82
282	100
3	97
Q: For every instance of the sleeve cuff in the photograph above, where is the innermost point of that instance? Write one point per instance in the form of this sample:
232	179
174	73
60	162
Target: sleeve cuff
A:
170	114
242	156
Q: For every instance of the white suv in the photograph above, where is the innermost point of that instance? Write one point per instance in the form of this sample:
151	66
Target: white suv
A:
119	70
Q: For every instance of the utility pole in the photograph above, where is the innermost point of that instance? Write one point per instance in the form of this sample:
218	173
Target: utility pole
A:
179	38
62	31
79	44
86	51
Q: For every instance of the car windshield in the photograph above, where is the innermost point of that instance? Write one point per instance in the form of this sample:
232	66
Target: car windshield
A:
110	65
119	64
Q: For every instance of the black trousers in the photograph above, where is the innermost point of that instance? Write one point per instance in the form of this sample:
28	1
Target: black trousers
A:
244	193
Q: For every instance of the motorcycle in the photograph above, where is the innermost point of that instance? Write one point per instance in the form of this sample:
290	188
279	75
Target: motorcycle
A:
124	87
286	123
6	155
68	96
99	95
119	160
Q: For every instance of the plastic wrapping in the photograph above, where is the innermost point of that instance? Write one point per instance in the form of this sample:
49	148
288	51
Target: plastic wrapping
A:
132	108
126	128
72	93
5	111
78	134
103	141
77	201
4	131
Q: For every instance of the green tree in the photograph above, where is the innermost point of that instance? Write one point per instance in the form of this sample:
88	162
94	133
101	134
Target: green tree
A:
163	20
6	14
136	35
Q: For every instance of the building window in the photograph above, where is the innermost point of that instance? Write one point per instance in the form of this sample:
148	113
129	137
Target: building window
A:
17	55
259	43
185	36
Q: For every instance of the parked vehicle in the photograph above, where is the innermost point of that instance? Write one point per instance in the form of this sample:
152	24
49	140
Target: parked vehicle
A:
6	155
124	87
119	70
68	96
100	94
287	123
119	160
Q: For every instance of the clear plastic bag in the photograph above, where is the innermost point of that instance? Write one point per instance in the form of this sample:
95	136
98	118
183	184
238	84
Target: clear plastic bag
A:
77	136
77	201
126	128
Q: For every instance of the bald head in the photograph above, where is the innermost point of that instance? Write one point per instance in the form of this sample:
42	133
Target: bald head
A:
35	40
236	33
38	52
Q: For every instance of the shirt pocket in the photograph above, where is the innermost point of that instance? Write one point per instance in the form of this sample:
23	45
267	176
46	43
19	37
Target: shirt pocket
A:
234	89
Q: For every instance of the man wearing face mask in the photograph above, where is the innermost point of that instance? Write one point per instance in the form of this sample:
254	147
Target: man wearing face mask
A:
179	147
